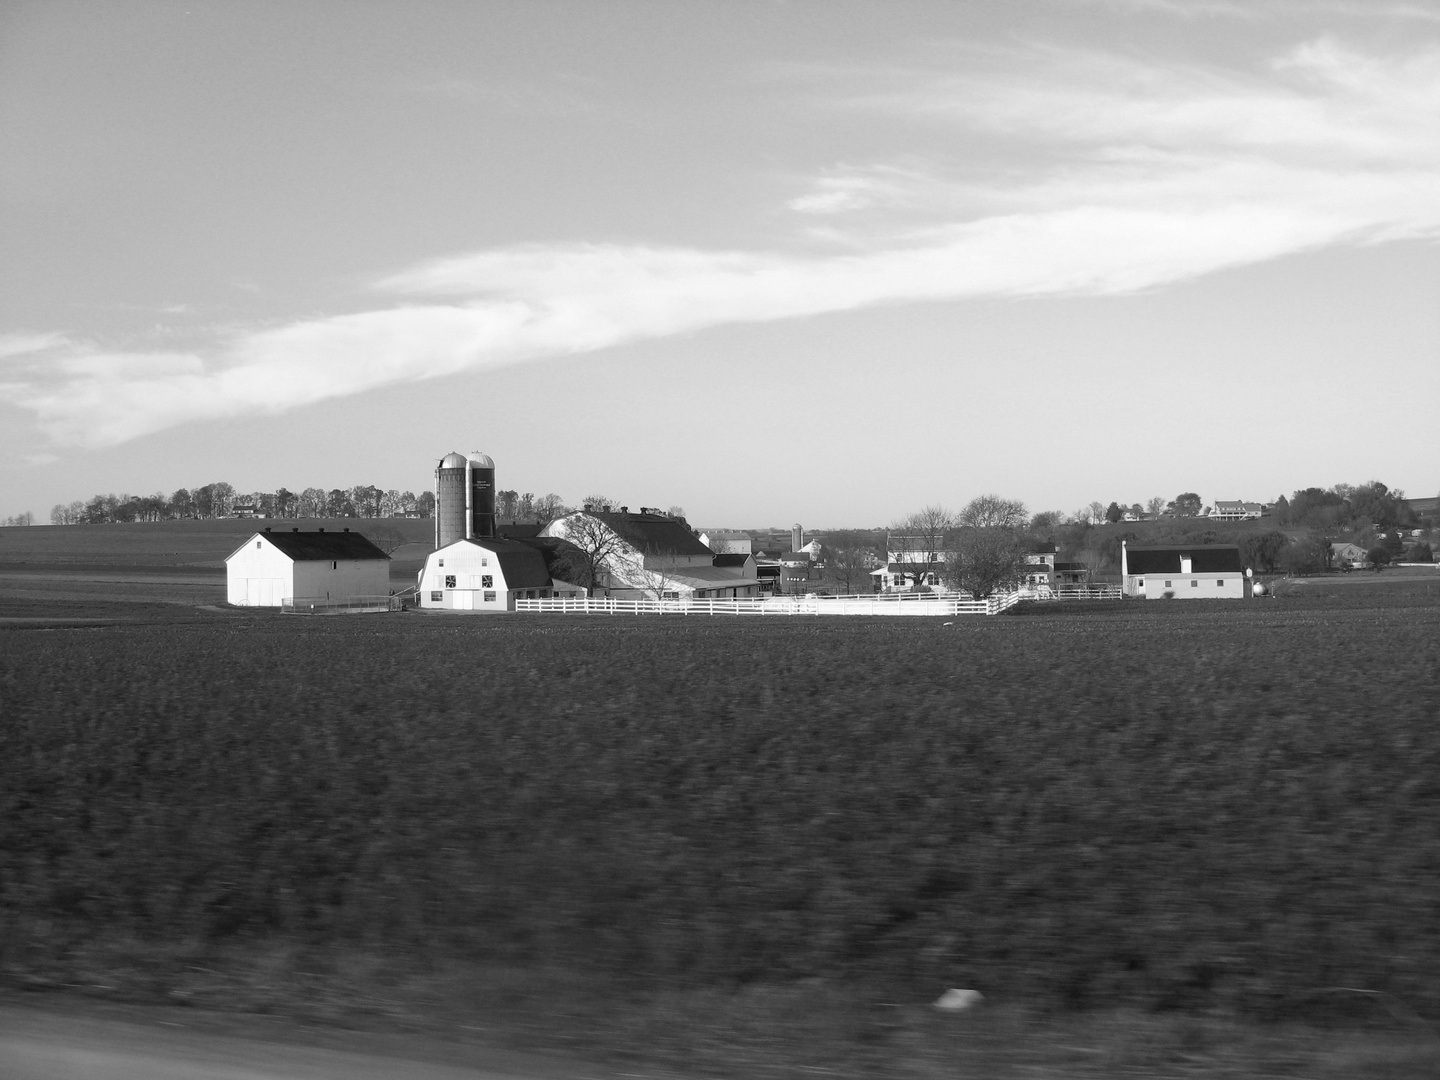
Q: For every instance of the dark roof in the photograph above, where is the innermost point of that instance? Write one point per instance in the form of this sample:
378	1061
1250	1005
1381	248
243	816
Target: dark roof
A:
1070	567
1204	559
320	546
1045	548
522	564
518	530
734	558
553	550
654	534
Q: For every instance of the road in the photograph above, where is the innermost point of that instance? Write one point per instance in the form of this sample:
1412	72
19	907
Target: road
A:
167	1045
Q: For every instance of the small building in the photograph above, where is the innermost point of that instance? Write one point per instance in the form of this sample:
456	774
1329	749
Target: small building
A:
1349	557
1183	572
488	574
728	542
271	567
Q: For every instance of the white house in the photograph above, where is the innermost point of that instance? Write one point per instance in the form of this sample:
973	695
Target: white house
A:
488	574
1183	572
1350	556
1237	510
271	567
653	556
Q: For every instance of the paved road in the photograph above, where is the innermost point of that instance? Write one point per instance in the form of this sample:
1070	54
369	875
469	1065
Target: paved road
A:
40	1045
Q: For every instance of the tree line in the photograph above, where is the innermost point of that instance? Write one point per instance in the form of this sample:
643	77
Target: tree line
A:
220	500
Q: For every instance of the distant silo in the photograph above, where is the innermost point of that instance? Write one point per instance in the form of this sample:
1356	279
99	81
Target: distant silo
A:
464	498
482	495
450	500
797	537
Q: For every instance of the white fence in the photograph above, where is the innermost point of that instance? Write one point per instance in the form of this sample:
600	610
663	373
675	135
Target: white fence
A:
921	604
350	605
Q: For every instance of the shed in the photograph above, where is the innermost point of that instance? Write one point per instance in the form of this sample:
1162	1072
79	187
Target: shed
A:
1183	572
271	567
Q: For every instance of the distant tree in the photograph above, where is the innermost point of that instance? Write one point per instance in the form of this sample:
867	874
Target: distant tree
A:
1420	552
285	503
992	511
407	501
1046	519
597	504
677	512
1114	514
983	561
182	504
549	507
1156	506
1262	550
1307	555
388	538
848	557
365	498
1379	556
928	529
27	518
506	503
59	514
525	506
1096	513
1281	511
1136	511
1186	504
1318	508
310	503
338	504
390	503
425	503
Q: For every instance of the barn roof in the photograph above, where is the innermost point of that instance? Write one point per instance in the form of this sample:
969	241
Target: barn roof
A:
522	562
319	546
1204	559
653	533
734	558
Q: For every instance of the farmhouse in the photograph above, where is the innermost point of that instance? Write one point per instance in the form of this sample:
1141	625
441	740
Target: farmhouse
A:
1183	572
488	574
1237	510
1349	556
272	567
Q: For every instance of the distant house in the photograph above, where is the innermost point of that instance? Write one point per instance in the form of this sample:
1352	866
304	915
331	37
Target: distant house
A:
1237	510
271	567
1349	557
655	556
1183	572
245	510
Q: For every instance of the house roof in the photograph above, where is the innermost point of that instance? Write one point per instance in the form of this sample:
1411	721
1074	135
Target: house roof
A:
653	533
1046	548
1070	567
1204	559
320	546
732	559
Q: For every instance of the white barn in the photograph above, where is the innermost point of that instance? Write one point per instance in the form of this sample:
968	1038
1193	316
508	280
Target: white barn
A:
271	567
1183	572
487	574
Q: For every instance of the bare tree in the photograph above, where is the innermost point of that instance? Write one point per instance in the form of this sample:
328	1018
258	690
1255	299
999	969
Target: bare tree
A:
387	538
656	572
984	561
1156	506
925	532
311	503
848	558
592	557
993	512
549	507
598	504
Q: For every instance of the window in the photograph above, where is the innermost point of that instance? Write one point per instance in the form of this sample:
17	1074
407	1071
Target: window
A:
449	581
442	562
334	566
437	597
1140	584
1219	581
1195	584
487	581
670	596
484	561
257	543
489	598
1168	584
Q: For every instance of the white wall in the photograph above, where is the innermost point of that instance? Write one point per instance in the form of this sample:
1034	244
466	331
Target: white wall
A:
470	565
1194	586
258	575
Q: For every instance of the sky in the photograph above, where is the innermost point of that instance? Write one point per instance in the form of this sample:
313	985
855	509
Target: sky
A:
822	262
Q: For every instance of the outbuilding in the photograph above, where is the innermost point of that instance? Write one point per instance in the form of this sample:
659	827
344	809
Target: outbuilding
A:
333	567
1183	572
489	574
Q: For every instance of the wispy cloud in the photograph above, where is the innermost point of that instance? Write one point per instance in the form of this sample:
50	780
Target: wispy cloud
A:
1099	175
28	344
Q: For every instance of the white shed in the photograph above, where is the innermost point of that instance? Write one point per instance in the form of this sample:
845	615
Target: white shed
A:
271	567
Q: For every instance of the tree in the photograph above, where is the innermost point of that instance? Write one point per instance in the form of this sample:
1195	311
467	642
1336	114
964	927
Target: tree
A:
676	512
387	538
338	504
992	512
425	503
285	502
594	547
1307	555
1420	552
1137	511
1156	506
1379	556
1186	504
924	535
983	561
27	518
311	503
549	507
1114	514
1263	550
506	503
1281	511
1046	519
848	557
365	498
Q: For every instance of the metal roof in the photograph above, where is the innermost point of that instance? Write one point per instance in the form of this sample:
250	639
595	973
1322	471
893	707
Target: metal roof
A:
320	546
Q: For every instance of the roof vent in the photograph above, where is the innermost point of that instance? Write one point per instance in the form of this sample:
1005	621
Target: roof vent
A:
347	529
267	528
294	529
624	509
322	528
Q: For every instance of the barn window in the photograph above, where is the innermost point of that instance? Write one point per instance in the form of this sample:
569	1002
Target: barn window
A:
442	562
257	543
436	597
449	581
489	598
487	581
1195	584
334	566
1219	581
1168	584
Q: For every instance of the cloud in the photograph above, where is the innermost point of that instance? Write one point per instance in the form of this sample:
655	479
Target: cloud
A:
26	344
1091	175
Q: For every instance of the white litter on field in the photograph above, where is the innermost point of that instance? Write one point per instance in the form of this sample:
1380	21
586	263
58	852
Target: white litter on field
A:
956	1000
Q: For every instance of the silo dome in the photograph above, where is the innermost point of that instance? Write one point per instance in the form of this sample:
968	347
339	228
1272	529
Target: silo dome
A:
480	461
452	460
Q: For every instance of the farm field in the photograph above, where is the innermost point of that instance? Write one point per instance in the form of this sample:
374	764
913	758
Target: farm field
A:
1162	839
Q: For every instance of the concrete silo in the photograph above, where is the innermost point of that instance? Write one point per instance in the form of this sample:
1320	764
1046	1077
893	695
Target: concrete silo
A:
464	498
